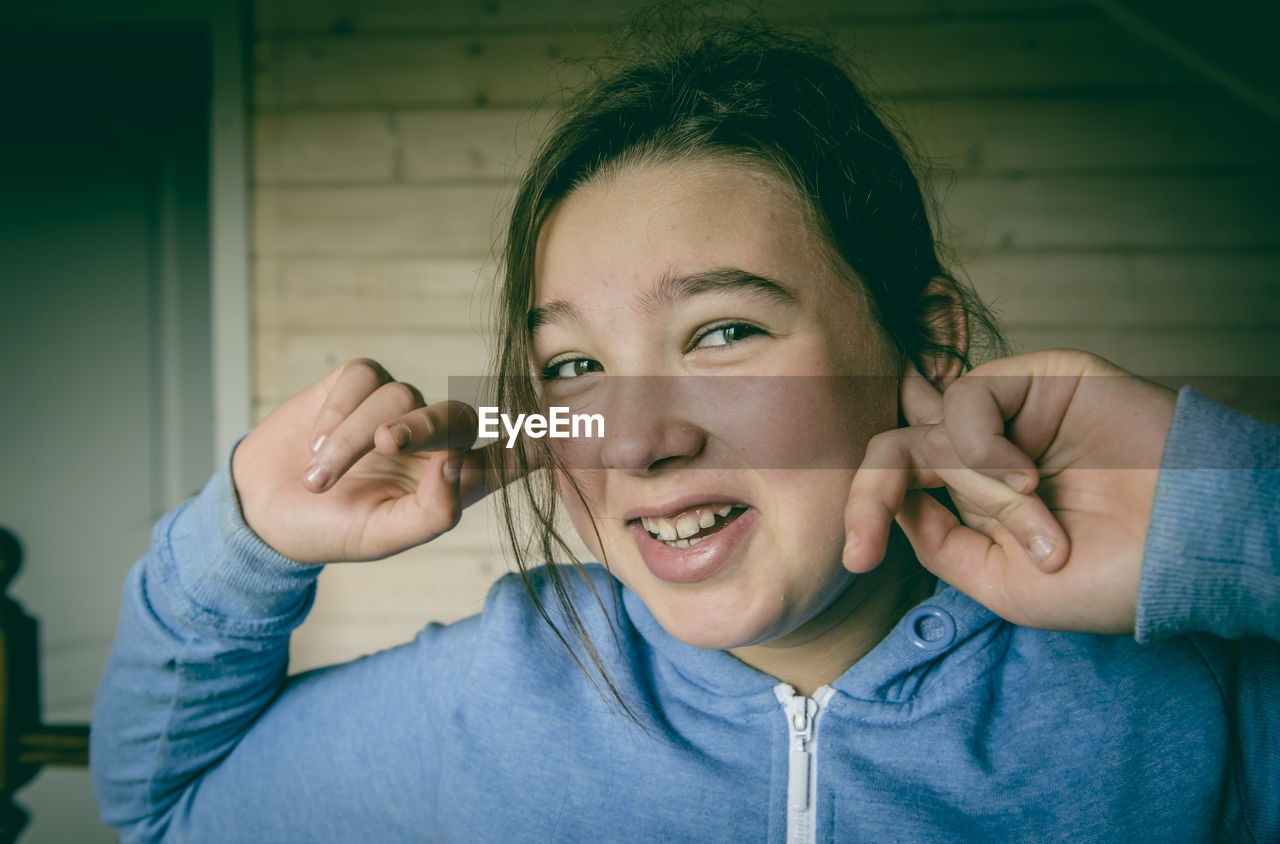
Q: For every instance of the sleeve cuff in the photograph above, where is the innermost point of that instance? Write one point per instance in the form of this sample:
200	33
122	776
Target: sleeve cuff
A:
1211	559
218	576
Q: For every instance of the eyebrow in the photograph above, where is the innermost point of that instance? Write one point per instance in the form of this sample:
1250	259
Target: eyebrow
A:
673	289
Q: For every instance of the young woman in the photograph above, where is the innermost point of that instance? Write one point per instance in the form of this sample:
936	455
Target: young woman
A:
721	250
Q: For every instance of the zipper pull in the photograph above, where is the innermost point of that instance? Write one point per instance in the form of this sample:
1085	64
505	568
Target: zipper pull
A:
800	711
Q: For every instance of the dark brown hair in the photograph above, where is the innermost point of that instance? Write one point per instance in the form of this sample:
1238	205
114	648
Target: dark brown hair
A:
743	92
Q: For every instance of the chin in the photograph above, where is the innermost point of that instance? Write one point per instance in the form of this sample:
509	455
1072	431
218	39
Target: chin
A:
702	632
715	618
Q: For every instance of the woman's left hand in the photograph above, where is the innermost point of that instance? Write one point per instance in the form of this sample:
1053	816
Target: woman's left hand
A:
1051	459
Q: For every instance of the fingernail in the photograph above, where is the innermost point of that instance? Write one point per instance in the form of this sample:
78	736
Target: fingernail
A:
1041	548
1016	481
318	476
401	435
315	446
452	467
851	544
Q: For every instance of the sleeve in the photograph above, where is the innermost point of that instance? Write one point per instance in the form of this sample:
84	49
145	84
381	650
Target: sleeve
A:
198	734
1212	557
1212	566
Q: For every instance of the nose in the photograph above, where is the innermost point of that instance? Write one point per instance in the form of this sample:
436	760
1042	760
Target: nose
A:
645	428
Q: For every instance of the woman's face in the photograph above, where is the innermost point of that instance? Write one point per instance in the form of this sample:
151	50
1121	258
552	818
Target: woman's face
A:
691	305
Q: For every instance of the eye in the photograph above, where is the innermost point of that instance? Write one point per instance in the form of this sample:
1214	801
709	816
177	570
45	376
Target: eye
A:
569	368
725	334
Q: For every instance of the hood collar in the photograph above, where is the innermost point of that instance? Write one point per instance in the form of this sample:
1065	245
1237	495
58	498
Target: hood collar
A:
937	649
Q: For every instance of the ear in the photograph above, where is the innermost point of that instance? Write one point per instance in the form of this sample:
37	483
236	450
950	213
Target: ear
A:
946	325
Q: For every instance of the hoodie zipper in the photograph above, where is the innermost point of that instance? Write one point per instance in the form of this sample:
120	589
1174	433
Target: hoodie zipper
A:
802	769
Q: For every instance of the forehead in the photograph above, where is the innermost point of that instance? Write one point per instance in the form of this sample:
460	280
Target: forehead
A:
644	221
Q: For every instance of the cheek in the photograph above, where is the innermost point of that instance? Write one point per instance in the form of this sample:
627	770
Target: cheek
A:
803	422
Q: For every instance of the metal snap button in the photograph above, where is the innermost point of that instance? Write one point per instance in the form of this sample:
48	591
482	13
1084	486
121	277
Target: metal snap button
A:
930	628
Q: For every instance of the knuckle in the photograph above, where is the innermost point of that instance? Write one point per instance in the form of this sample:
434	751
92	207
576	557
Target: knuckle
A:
467	414
461	421
880	451
426	422
882	442
1007	510
338	448
936	447
974	454
367	368
403	396
991	457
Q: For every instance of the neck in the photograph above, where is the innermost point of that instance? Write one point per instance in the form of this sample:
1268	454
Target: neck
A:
825	647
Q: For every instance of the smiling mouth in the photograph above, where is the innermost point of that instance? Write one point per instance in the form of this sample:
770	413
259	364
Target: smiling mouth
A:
689	527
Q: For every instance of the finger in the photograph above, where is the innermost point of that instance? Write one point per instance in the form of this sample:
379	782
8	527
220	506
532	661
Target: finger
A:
349	385
406	521
876	494
921	401
994	509
958	555
353	437
464	476
439	426
992	506
450	481
439	496
975	408
488	469
453	425
480	474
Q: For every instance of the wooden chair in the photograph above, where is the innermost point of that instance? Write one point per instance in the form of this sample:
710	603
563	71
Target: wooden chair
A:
25	743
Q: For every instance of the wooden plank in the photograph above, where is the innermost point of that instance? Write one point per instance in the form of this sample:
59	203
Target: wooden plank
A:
1176	212
1131	290
421	585
1174	352
944	58
950	59
398	221
436	70
360	146
316	644
288	363
349	16
372	295
1076	133
476	144
450	145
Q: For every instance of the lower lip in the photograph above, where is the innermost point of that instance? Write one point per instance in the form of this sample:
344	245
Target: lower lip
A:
697	562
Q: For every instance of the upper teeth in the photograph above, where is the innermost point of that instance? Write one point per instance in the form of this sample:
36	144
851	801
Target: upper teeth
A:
685	525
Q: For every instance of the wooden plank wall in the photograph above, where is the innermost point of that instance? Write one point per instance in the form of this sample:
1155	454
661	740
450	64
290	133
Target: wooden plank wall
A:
1101	194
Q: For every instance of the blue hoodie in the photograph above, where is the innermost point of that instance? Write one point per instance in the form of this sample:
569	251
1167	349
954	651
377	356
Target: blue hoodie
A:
957	726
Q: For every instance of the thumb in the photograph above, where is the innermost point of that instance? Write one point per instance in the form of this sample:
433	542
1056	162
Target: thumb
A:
439	494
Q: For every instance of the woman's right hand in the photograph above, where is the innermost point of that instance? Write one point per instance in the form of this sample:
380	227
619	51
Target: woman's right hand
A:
357	467
1055	451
